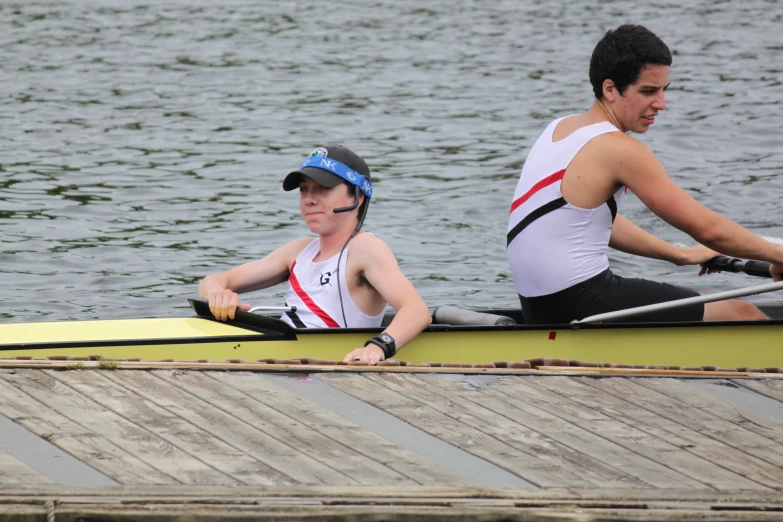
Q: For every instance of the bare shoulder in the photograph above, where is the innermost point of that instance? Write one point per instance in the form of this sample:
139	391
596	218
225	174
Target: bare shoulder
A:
369	242
288	252
300	244
369	246
620	146
619	152
616	143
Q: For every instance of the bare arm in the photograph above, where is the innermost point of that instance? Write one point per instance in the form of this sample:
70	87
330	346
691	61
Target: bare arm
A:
222	290
643	174
381	270
627	237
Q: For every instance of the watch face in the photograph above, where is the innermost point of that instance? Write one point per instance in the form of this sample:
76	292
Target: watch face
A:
386	338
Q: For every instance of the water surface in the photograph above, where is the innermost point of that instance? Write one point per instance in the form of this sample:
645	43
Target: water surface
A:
143	144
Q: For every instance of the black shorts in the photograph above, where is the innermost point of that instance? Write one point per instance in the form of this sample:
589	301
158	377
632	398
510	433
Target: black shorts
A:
607	292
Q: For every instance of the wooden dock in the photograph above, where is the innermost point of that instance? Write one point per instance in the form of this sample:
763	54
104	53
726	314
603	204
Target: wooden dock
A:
167	441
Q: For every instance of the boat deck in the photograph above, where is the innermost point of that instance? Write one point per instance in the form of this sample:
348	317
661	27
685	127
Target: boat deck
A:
496	444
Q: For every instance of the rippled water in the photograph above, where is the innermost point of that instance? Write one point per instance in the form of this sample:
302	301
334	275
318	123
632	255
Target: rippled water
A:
143	144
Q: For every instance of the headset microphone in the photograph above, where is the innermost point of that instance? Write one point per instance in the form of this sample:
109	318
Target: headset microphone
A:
356	192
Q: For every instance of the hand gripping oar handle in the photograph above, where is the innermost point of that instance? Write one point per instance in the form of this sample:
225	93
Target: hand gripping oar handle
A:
732	264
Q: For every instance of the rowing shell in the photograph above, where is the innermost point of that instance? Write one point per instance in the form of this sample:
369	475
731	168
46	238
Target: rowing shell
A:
252	337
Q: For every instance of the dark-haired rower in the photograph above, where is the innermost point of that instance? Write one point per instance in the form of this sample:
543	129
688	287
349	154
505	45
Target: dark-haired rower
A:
342	278
564	212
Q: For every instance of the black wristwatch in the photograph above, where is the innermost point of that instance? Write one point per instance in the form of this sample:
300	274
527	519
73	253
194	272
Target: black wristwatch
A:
386	342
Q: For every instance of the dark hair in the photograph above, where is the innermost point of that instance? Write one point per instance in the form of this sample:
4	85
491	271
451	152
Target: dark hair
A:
621	55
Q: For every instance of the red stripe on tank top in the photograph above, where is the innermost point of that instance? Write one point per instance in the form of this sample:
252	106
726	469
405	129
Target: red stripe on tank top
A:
308	301
557	176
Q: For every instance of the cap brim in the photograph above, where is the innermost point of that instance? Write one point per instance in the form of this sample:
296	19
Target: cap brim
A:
320	176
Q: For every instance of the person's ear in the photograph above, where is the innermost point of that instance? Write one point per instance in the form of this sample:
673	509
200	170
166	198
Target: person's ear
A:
610	90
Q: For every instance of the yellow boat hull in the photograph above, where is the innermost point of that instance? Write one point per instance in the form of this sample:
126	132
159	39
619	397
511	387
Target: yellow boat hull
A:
727	345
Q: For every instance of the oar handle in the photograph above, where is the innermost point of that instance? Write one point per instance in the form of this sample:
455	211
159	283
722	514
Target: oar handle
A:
732	264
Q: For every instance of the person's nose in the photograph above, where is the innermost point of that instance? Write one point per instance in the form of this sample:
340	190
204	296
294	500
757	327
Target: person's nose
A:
659	104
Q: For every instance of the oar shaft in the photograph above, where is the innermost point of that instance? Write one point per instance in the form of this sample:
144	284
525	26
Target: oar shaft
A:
639	310
272	309
732	264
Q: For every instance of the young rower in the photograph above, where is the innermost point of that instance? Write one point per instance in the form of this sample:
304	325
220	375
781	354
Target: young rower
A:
564	211
344	277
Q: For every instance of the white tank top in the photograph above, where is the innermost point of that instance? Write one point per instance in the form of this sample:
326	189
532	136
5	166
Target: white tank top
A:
552	245
312	288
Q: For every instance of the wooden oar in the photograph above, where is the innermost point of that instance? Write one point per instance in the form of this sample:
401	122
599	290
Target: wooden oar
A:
732	264
639	310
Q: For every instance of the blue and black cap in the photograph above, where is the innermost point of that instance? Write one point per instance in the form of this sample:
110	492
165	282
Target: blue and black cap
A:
331	165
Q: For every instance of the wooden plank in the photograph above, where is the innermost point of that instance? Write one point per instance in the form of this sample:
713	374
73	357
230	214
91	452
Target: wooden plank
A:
332	439
161	510
512	447
607	439
135	439
389	503
736	420
700	432
352	368
337	428
708	374
177	424
473	509
648	433
768	388
241	394
232	413
88	446
14	472
594	456
763	424
250	494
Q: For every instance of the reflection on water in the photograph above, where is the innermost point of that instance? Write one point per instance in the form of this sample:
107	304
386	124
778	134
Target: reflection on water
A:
143	144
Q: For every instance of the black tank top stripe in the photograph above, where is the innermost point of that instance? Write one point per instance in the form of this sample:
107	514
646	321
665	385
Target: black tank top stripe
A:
546	209
543	210
612	204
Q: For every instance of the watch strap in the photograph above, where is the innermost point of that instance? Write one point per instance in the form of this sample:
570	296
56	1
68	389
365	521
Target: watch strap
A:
388	351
